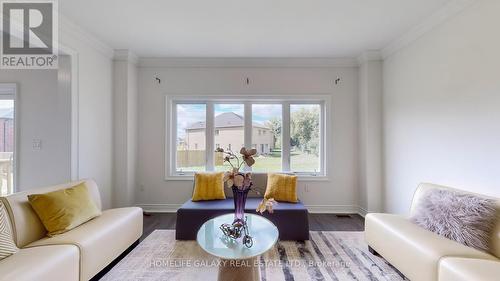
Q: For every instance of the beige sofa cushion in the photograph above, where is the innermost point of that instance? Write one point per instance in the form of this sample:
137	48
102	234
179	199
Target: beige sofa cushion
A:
495	237
26	225
411	249
47	263
102	239
464	269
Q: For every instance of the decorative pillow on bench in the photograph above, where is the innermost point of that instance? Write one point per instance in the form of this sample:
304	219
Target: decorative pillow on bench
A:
208	186
65	209
463	217
282	187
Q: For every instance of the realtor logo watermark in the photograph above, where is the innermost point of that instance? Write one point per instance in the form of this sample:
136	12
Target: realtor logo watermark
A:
30	31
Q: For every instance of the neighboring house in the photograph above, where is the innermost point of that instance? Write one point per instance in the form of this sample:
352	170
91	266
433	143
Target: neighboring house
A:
6	130
229	134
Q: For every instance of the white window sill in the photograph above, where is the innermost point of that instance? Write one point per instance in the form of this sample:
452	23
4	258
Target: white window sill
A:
302	178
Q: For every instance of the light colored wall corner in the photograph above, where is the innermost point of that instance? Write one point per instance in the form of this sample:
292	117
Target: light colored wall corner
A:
369	56
451	9
70	32
370	109
441	117
94	85
125	55
124	127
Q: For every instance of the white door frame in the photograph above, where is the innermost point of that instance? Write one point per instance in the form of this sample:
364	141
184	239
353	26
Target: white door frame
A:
74	155
11	89
73	54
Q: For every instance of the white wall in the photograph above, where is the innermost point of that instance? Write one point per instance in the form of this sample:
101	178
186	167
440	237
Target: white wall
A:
370	132
45	111
132	132
125	129
339	194
95	107
442	108
43	114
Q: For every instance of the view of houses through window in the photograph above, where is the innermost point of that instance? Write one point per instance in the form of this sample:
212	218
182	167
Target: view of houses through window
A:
266	137
230	124
191	124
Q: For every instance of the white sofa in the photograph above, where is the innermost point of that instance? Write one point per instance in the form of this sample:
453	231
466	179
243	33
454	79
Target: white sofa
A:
78	254
423	255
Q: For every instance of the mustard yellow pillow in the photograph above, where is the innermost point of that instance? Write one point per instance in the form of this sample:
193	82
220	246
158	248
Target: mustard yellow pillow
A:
64	209
281	187
208	186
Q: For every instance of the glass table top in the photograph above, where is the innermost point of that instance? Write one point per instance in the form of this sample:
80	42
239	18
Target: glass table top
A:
211	239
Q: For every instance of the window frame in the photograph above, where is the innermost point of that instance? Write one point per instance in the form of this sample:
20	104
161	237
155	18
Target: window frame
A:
171	102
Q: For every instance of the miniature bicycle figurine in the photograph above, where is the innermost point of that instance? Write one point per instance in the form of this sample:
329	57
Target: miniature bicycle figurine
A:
234	231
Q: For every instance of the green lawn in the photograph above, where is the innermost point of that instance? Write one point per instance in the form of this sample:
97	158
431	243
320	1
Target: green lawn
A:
300	162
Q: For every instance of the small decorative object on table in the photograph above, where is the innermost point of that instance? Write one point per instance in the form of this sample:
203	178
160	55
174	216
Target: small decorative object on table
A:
241	183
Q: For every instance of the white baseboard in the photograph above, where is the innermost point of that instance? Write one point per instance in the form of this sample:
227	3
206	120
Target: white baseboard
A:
336	209
362	211
314	209
159	208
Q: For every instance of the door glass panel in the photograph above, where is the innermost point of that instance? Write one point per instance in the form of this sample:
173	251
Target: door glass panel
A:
7	143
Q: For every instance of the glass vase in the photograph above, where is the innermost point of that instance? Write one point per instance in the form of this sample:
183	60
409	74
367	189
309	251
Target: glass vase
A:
240	198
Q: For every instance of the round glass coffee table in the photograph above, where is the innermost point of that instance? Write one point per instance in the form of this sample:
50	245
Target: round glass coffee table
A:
237	261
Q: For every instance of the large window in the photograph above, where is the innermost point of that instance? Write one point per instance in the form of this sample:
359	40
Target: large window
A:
200	129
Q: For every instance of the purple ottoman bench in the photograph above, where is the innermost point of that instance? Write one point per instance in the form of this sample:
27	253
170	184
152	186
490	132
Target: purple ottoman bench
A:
290	218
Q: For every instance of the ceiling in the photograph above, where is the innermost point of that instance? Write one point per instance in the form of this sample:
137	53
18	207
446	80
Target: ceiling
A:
257	28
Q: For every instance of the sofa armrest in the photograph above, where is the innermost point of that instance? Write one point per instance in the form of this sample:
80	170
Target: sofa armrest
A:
465	269
412	249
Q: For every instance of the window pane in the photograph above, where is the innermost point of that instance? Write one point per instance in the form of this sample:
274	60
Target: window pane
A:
266	137
229	131
305	137
191	125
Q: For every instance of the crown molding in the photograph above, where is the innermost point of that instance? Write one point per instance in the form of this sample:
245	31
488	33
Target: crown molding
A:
247	62
125	55
451	9
69	28
371	55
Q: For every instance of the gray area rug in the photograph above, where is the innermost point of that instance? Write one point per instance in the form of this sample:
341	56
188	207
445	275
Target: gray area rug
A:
329	255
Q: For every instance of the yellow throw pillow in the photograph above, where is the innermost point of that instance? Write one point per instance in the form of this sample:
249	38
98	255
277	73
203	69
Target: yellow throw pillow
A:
208	186
64	209
281	187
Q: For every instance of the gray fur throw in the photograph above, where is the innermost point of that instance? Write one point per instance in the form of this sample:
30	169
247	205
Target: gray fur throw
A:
462	217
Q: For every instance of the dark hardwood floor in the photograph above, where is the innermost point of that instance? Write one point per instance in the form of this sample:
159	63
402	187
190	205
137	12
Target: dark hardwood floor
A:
317	222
